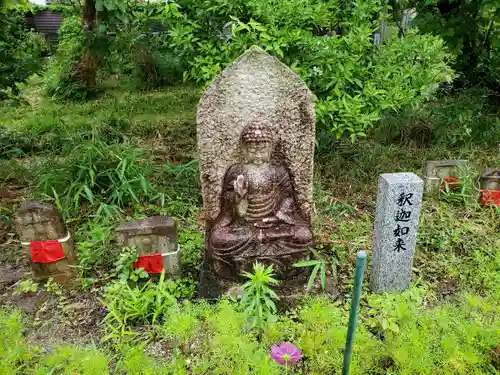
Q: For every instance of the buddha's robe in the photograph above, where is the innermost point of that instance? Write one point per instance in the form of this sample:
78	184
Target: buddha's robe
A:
236	238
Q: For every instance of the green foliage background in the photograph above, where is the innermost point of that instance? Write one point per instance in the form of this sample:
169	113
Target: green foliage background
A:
20	52
353	80
329	45
471	30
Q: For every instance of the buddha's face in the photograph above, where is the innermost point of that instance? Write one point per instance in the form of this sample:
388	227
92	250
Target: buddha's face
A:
258	153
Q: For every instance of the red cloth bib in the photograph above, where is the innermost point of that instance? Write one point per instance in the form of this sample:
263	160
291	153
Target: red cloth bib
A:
490	197
46	251
451	182
152	263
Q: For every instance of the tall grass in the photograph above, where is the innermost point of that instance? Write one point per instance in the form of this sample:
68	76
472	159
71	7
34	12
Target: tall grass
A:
95	173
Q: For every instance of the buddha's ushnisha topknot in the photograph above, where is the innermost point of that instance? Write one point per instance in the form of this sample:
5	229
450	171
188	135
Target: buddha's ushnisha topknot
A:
256	131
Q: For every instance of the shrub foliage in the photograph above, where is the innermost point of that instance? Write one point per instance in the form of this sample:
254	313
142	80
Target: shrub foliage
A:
20	53
329	45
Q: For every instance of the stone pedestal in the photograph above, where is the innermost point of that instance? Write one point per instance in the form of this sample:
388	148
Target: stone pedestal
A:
39	222
394	236
154	235
437	170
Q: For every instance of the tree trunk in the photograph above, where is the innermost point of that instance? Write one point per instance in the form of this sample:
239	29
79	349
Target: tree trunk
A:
88	65
89	16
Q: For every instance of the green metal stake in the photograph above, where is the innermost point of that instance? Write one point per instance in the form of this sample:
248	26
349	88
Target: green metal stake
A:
353	315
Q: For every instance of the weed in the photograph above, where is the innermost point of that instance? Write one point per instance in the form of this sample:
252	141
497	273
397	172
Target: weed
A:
192	243
93	246
465	190
319	266
128	306
468	116
123	266
229	347
133	361
26	286
182	323
258	295
74	360
445	337
53	287
180	183
14	351
93	171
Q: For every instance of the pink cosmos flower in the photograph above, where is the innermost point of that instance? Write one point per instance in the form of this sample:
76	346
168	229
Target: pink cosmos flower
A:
285	354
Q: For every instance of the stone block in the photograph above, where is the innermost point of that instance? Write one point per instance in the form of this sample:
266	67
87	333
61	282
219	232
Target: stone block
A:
436	170
38	223
395	231
157	234
490	180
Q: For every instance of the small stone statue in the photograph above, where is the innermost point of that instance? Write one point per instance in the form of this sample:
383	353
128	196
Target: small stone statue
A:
259	219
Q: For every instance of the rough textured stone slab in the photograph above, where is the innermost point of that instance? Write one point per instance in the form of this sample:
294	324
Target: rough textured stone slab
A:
396	225
255	86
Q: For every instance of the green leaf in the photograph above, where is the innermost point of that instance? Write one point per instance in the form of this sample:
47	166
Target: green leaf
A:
314	273
323	275
307	263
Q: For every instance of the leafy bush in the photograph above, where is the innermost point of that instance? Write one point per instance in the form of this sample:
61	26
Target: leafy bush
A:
70	74
471	32
125	44
147	65
331	48
20	52
142	54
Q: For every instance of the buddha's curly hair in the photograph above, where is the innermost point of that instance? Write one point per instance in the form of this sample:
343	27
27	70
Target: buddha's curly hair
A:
256	131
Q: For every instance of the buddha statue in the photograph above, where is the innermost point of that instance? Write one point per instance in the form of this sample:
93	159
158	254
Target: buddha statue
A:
259	219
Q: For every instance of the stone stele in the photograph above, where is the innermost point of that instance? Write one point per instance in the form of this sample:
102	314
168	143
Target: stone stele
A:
41	222
256	208
395	231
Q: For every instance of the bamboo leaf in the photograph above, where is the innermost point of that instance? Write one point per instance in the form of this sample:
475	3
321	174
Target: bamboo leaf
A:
307	263
314	273
323	275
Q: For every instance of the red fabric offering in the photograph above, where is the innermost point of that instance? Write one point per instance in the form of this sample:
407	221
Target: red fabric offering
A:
490	197
152	263
46	251
451	182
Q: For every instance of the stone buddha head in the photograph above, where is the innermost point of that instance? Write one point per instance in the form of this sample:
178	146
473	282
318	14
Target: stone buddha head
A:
257	143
